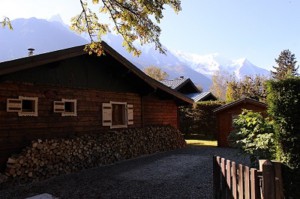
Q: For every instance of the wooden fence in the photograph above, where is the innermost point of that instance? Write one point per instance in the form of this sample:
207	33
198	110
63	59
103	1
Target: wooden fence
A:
241	182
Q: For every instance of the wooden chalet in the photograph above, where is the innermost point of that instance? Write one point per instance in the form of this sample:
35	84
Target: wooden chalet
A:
227	113
68	92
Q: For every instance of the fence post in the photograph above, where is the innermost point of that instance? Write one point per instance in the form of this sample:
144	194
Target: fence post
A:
268	180
216	177
234	181
223	179
278	180
254	184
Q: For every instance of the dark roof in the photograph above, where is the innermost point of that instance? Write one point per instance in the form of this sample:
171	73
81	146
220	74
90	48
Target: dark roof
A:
241	101
178	83
201	96
174	83
38	60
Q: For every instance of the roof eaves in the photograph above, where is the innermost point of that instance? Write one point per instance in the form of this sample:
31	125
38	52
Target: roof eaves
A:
243	100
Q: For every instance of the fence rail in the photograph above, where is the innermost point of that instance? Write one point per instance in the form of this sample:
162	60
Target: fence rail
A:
241	182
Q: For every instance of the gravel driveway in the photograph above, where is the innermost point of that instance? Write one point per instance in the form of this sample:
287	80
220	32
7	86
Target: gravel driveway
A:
183	173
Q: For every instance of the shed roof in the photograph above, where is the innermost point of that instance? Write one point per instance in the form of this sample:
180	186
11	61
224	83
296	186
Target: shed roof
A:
238	102
41	59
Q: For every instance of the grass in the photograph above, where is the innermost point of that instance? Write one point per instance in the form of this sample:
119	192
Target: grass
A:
201	142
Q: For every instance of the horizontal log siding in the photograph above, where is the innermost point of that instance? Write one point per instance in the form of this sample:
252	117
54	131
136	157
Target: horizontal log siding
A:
157	111
17	132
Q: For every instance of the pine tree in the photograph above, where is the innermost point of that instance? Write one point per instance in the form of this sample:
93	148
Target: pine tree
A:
286	66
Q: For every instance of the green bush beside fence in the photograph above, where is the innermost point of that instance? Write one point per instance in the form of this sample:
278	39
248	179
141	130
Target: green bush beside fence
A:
284	108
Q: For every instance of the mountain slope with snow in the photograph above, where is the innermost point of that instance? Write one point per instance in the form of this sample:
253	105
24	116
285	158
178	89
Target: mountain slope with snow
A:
208	64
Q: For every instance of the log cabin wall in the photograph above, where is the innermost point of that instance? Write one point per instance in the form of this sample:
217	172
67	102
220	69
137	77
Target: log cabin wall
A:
156	111
18	131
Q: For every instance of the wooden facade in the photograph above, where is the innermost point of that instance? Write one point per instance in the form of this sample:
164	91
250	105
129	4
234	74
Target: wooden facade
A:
90	81
227	113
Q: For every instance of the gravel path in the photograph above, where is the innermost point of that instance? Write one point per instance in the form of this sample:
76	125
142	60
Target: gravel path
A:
183	173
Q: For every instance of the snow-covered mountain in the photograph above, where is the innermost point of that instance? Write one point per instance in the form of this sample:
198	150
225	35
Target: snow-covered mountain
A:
50	35
208	64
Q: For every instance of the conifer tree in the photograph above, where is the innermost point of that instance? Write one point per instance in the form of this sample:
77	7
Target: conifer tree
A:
286	66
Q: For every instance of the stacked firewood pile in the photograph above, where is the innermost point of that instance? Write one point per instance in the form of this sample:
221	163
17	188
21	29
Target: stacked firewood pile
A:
47	158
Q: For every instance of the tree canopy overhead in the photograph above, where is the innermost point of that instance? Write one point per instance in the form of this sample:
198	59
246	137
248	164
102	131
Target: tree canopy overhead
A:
134	20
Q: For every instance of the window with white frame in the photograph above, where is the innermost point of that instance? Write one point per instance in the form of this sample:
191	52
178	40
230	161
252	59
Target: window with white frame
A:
24	106
67	107
117	114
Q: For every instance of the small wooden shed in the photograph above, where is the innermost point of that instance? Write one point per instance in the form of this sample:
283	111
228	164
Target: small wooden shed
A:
228	112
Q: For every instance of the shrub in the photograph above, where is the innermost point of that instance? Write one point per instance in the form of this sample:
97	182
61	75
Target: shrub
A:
284	107
254	135
199	119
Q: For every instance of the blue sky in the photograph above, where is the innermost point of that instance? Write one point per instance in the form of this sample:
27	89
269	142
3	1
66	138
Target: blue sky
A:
255	29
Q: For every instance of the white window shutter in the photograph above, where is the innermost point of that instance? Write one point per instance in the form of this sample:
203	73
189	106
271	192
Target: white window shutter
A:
106	114
14	105
59	107
130	114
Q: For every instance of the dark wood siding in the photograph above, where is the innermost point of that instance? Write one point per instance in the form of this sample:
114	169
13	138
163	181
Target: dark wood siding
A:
17	132
104	73
156	111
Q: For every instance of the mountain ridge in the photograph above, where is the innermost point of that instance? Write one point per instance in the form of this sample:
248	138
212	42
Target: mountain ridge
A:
41	34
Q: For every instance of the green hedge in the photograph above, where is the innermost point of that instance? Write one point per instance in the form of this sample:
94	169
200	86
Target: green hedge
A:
284	107
199	119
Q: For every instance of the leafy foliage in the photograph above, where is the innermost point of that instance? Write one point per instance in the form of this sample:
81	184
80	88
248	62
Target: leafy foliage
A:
286	66
253	134
250	87
133	20
156	73
284	107
6	23
199	119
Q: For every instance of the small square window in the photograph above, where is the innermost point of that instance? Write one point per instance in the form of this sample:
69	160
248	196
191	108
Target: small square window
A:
24	106
67	107
29	106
